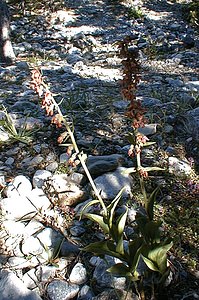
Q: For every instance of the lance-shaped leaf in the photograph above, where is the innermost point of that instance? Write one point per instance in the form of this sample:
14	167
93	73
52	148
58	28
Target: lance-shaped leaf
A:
150	203
90	203
120	269
100	220
152	232
111	208
156	259
103	248
135	248
120	225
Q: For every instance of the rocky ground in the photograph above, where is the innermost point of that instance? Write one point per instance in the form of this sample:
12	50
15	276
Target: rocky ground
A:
76	47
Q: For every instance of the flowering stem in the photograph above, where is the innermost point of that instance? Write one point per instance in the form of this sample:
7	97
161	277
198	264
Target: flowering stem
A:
141	179
40	86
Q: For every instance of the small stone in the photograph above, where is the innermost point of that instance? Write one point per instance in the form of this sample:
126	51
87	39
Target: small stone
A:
13	228
12	288
39	177
110	184
148	129
98	165
22	65
52	167
20	186
85	293
60	289
17	207
105	279
179	167
4	136
64	157
77	230
78	274
39	199
9	161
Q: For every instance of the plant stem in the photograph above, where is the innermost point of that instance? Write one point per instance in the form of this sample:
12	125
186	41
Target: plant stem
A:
142	185
81	158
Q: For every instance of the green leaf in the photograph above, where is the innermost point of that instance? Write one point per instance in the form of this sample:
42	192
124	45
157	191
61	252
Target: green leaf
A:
159	256
100	220
149	144
152	232
129	171
150	203
148	169
103	248
156	258
131	138
111	208
120	269
120	225
135	248
90	203
150	264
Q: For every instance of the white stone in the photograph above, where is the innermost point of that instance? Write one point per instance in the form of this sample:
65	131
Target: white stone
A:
18	262
78	274
17	207
30	279
31	228
13	228
39	199
110	184
179	167
12	288
21	185
62	183
33	246
39	177
4	136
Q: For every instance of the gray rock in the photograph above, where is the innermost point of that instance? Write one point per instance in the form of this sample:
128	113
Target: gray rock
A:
85	293
23	65
193	85
77	230
149	101
59	290
105	279
179	167
52	167
64	157
12	288
98	165
148	129
39	177
78	274
9	161
110	184
68	249
113	294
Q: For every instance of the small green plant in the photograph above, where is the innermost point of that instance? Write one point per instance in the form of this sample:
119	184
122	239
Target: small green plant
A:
135	13
14	134
146	245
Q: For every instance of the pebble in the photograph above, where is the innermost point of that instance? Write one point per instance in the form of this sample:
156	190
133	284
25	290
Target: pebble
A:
59	290
110	184
78	274
12	288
